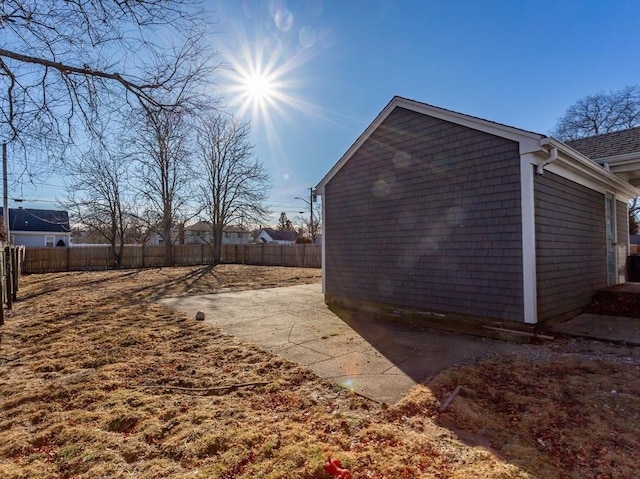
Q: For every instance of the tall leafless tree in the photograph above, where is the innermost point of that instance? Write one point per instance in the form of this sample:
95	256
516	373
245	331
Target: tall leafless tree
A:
164	174
284	223
234	185
600	113
98	197
64	64
603	113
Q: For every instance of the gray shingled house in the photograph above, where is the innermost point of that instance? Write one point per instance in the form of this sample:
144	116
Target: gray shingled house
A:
440	212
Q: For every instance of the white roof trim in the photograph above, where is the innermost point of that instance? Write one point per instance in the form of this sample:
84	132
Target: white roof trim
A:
529	142
624	158
590	168
497	129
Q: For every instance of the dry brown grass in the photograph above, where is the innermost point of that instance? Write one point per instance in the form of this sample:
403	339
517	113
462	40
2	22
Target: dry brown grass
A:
77	346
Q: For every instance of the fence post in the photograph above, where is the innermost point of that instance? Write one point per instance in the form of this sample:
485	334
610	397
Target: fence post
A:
16	272
7	278
2	271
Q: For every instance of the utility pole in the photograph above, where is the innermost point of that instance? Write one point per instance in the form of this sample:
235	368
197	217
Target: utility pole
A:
311	219
310	203
5	210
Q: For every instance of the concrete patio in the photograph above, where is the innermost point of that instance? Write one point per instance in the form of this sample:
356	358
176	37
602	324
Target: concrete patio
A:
379	359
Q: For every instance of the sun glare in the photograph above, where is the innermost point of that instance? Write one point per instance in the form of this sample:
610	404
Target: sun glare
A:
258	88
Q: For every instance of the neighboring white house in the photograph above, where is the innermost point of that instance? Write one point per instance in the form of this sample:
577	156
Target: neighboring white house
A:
38	228
269	235
202	233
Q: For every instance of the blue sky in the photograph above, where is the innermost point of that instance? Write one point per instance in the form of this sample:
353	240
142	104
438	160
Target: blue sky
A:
332	65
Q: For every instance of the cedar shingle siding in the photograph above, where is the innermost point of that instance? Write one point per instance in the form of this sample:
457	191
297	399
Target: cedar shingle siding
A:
426	214
570	244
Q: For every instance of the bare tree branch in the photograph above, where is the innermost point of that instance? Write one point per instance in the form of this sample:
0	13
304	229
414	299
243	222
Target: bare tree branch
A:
66	64
600	113
234	184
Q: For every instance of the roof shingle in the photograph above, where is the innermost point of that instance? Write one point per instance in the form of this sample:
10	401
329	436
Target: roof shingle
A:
608	144
27	219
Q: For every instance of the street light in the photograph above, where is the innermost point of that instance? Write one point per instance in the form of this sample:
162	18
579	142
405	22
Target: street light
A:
310	203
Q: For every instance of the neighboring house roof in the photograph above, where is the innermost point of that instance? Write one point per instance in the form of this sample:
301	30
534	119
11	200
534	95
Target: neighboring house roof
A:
618	151
205	227
34	220
200	226
235	229
281	235
529	142
608	144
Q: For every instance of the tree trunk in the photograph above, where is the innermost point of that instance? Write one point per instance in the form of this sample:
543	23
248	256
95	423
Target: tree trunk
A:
168	251
166	231
217	244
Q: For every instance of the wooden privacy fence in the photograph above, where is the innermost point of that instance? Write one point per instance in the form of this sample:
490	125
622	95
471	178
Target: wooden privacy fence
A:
11	261
83	258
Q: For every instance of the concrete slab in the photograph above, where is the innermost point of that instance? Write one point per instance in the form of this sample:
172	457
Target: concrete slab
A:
378	359
601	327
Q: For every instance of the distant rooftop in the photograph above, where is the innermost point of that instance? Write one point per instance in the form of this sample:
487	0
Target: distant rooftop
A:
608	144
27	219
281	235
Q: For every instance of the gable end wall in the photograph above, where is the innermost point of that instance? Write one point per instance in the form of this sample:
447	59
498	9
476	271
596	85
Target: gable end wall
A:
426	214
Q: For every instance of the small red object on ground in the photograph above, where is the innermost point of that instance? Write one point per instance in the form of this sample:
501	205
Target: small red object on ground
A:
332	466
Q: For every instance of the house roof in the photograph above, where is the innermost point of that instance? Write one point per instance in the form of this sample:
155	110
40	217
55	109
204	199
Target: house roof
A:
618	151
200	226
608	145
529	142
34	220
205	227
281	235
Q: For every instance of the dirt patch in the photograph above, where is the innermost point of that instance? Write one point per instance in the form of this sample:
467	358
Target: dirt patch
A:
615	303
79	350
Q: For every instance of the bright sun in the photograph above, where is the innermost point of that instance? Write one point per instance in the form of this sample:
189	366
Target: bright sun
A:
258	88
260	85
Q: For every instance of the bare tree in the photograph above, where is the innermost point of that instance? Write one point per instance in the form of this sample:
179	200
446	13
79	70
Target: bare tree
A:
63	64
234	184
284	223
310	228
98	197
603	113
600	113
164	174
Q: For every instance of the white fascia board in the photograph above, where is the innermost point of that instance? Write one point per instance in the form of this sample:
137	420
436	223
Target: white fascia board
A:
622	163
41	233
620	159
624	167
528	141
582	170
356	146
582	177
486	126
